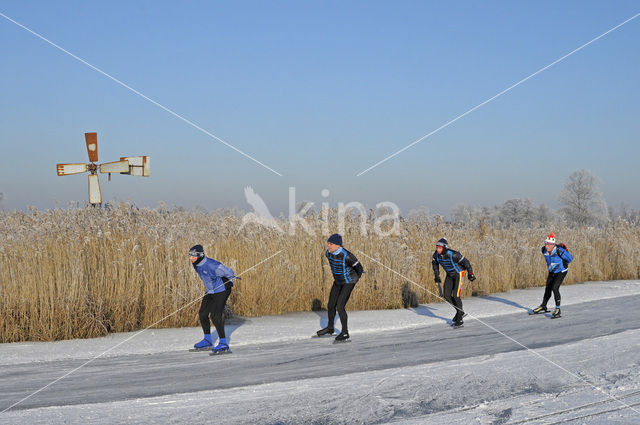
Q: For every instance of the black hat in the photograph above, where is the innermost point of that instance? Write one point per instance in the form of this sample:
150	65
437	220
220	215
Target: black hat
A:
196	251
335	239
443	243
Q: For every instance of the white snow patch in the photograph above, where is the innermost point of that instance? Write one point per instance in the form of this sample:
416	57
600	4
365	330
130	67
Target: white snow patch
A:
507	388
298	326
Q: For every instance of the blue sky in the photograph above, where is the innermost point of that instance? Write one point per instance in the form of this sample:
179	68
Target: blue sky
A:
319	91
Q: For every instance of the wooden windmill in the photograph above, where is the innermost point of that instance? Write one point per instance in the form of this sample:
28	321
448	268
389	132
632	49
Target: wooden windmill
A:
131	165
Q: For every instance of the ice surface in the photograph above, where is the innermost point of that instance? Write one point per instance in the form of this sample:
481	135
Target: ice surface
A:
297	326
504	388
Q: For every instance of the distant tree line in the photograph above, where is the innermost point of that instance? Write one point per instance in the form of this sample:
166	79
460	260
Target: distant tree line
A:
582	205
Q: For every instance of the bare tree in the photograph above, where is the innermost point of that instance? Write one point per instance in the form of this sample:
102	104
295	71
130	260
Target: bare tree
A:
2	198
420	213
518	211
583	203
625	212
491	215
545	215
463	214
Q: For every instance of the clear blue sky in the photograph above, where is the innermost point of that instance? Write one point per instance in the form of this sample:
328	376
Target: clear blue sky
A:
320	91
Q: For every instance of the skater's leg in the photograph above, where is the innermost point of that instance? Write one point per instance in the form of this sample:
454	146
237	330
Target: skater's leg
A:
203	314
449	286
448	289
219	301
331	306
557	281
456	294
547	290
456	301
343	298
206	308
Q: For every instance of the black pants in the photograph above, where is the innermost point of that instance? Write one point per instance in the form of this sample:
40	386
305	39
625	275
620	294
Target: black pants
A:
452	292
213	305
338	300
554	280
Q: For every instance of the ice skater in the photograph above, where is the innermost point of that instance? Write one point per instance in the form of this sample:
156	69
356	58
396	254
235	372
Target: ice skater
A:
218	280
456	266
346	270
558	258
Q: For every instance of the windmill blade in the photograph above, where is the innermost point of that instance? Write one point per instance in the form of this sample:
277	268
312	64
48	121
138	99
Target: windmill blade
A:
140	165
146	167
92	146
115	167
95	197
68	169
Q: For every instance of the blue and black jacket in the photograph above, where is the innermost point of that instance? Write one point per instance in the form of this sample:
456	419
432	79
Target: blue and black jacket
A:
558	260
215	275
451	261
345	267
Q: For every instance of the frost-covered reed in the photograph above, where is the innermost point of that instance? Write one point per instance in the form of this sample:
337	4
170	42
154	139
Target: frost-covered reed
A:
84	272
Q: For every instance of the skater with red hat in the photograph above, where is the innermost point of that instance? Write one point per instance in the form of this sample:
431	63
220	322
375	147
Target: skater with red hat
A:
558	258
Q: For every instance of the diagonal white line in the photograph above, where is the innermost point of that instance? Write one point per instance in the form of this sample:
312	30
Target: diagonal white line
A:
496	96
175	114
126	340
506	336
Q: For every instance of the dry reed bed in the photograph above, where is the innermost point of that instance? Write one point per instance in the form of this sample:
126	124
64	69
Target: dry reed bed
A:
81	273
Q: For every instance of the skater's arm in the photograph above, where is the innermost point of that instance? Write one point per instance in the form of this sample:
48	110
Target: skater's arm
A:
565	255
463	261
353	262
224	271
436	267
436	274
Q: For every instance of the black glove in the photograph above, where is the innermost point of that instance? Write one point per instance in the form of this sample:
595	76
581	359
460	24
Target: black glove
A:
228	283
438	279
472	277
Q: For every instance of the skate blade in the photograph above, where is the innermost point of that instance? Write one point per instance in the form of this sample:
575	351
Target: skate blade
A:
342	342
195	350
556	317
324	336
220	353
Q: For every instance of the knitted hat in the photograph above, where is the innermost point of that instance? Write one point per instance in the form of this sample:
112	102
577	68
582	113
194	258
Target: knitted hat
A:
551	238
443	243
335	239
196	251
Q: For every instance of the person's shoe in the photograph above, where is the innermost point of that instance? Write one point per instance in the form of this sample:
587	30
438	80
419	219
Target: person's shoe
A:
222	347
459	316
556	313
204	344
343	337
325	331
540	309
458	323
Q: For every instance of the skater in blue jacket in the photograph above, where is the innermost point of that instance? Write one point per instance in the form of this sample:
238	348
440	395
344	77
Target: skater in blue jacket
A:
456	267
558	258
218	280
346	270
